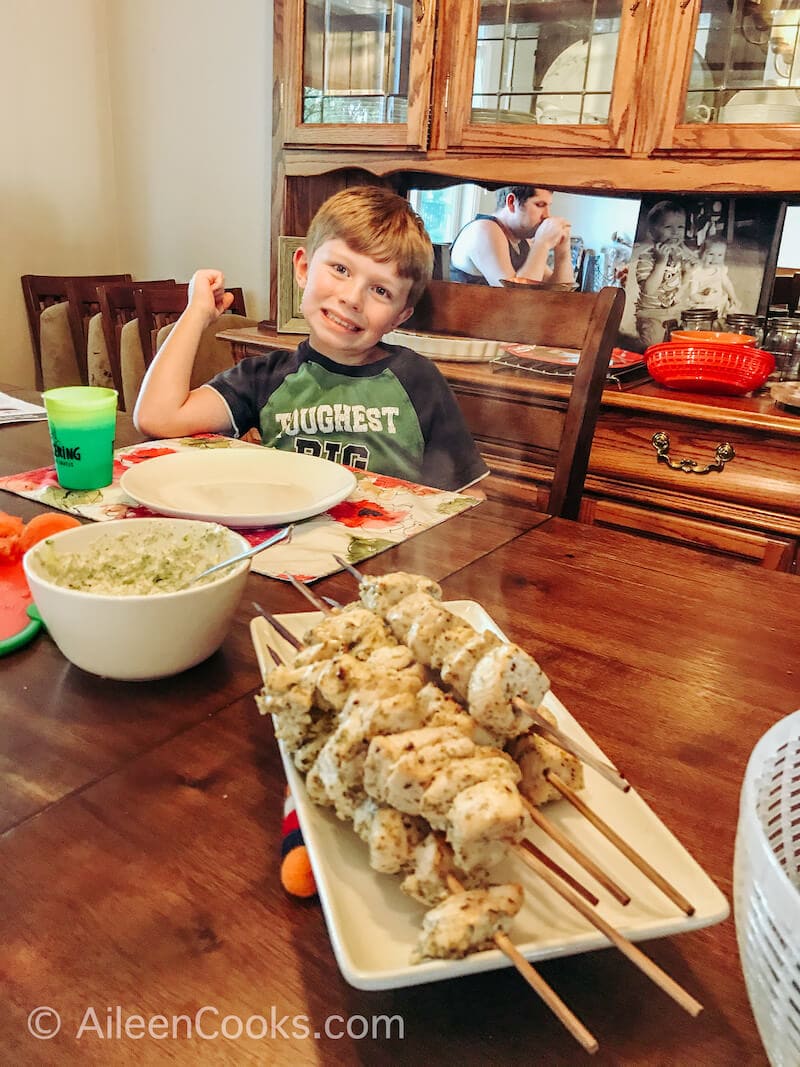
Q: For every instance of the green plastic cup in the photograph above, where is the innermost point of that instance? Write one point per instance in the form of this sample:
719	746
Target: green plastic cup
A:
82	421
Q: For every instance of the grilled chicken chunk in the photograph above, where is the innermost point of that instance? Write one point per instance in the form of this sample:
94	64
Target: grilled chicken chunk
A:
457	653
467	922
392	836
399	767
432	862
504	672
381	593
535	755
487	764
403	615
482	821
354	629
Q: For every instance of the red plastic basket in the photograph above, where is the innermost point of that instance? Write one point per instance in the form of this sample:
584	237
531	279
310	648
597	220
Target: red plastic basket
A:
708	368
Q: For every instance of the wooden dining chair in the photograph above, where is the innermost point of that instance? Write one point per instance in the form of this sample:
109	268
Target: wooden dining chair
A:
43	291
117	307
158	307
553	428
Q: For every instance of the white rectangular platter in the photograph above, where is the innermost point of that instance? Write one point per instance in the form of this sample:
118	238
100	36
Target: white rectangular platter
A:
373	926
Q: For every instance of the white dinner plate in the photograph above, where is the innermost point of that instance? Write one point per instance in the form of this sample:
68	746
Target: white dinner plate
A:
239	487
373	926
569	74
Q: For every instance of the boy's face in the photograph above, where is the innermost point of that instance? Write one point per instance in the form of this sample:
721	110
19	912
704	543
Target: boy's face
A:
671	228
349	300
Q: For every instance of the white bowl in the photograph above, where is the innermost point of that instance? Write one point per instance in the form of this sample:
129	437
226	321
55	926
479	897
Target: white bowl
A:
137	638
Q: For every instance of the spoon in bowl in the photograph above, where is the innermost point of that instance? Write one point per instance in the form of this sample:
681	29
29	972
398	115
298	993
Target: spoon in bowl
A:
253	550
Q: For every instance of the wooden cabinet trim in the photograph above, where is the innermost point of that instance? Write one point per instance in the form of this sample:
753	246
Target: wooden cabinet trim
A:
776	552
575	171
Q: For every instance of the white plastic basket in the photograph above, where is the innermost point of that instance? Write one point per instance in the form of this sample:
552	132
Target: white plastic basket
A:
766	889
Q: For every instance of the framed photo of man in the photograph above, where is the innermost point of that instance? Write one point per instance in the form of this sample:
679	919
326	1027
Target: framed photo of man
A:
711	252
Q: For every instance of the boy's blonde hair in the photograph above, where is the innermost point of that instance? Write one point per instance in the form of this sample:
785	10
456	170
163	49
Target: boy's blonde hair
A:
378	223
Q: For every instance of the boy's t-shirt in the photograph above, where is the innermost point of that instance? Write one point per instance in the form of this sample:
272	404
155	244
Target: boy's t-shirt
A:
396	416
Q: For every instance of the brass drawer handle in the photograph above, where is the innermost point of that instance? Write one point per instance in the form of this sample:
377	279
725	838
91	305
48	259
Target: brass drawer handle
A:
722	453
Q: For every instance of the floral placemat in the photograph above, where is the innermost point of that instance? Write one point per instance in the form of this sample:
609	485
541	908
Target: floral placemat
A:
380	512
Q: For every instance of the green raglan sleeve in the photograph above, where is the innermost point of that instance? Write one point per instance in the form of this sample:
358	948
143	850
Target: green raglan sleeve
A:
451	459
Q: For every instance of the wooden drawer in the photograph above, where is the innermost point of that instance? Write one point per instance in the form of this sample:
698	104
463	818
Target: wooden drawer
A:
768	550
758	488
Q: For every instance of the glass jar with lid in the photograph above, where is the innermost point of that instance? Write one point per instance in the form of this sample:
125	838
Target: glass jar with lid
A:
782	339
751	325
698	319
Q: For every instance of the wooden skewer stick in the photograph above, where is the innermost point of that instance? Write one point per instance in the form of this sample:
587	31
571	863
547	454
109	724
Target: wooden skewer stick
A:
541	725
627	948
526	846
349	567
638	861
278	626
577	853
553	1001
312	598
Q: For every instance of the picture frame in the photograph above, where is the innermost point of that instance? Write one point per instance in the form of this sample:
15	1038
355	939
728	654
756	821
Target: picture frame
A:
747	233
289	318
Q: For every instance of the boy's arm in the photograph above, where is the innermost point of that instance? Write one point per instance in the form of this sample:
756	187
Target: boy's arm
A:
166	405
651	282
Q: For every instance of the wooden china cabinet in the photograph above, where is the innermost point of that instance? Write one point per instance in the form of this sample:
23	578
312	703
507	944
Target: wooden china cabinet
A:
594	96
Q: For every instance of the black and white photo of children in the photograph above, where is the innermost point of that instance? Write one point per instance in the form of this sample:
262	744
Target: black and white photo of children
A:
711	252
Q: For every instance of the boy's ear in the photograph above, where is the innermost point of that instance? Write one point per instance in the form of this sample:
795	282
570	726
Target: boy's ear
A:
300	264
401	318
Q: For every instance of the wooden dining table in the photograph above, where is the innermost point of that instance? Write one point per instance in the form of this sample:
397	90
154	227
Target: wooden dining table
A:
140	823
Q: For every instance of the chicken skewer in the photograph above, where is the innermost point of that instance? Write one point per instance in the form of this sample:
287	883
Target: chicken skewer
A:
492	922
383	595
411	620
381	754
371	592
594	870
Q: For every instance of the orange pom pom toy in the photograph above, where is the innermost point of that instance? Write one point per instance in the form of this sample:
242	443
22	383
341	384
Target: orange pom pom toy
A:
297	877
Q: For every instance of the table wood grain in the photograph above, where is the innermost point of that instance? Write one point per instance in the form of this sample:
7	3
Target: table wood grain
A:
140	834
64	728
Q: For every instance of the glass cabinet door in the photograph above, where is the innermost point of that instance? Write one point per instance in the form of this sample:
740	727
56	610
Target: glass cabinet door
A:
745	92
545	72
357	71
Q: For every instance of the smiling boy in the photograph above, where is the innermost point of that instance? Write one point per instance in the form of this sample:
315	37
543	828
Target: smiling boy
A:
343	394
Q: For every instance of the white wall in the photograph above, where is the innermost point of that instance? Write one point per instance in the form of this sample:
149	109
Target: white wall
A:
789	251
596	218
135	138
57	189
190	88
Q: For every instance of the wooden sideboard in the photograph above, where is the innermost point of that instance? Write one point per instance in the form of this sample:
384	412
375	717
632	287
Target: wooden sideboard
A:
749	509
